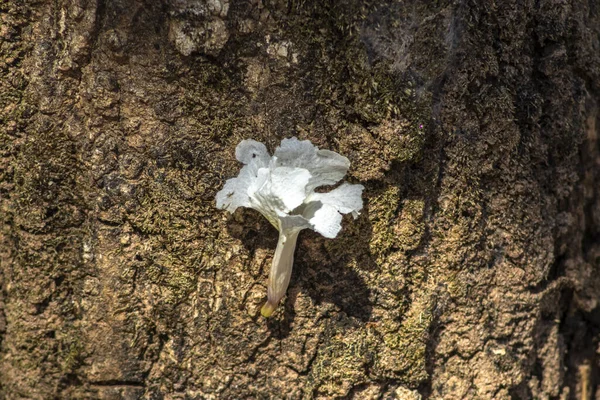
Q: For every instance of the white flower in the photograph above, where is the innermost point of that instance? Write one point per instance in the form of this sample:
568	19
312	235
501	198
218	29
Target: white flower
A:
282	188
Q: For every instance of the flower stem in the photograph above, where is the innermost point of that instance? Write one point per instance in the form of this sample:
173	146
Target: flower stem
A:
281	271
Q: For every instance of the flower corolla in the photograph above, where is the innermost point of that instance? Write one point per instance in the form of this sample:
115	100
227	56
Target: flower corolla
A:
282	188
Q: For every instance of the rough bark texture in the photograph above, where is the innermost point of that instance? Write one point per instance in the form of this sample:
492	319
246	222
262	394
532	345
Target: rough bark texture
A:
473	272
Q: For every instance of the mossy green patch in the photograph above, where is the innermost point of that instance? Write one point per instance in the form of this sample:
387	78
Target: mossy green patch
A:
71	352
342	361
382	213
210	96
403	354
349	86
168	214
409	227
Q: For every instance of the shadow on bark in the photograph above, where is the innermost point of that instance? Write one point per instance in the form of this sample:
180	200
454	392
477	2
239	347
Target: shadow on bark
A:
324	276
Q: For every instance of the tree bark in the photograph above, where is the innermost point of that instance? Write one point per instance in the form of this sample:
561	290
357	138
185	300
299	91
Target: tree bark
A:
472	273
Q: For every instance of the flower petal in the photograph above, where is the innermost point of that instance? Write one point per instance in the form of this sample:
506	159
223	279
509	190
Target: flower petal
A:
324	210
235	191
276	192
252	152
234	194
326	167
289	184
346	199
327	221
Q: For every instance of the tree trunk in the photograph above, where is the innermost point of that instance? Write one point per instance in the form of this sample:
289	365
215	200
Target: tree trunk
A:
472	272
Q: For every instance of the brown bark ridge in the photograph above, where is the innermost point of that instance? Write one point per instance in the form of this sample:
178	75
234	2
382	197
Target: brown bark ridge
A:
472	272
